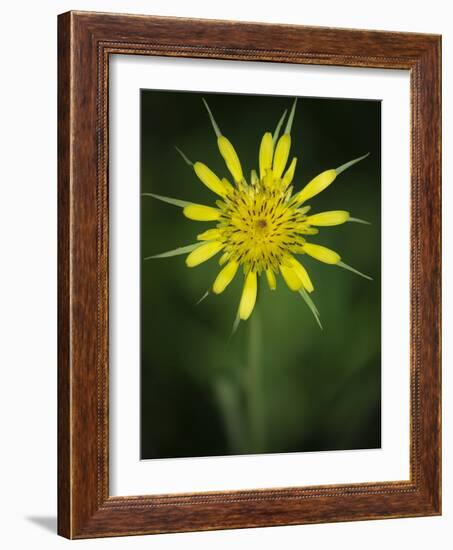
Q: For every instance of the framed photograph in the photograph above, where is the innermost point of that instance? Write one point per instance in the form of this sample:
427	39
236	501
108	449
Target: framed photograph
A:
249	275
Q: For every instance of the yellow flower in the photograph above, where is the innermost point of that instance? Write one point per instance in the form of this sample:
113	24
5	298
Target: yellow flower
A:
261	225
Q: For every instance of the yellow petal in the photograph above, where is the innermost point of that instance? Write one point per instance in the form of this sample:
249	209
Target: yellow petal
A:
316	185
289	174
209	235
224	258
228	187
208	177
201	213
254	178
271	280
203	253
333	217
305	230
248	297
230	157
301	272
321	253
281	155
268	179
291	277
296	275
224	278
265	155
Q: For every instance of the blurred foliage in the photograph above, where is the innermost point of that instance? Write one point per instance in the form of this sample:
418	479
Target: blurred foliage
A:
320	390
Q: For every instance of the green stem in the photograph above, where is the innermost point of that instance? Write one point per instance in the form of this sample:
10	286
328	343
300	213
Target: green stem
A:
229	403
254	384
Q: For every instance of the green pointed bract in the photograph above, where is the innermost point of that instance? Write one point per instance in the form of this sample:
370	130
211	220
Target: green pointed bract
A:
168	200
278	128
237	320
176	251
347	165
349	268
186	160
310	305
205	295
289	123
217	131
358	220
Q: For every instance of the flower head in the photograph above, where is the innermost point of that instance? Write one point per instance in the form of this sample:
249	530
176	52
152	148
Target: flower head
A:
261	225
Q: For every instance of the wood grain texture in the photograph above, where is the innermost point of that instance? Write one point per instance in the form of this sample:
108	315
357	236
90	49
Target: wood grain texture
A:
86	40
64	371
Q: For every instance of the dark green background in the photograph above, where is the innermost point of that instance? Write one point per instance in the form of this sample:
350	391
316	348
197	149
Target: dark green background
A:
320	389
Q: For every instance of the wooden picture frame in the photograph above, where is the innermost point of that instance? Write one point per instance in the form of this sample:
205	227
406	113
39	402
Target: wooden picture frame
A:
85	42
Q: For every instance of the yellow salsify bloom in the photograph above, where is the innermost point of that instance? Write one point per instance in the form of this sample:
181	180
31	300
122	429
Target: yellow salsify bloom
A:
261	225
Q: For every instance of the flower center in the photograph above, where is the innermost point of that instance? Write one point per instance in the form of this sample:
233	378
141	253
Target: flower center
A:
259	228
261	224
